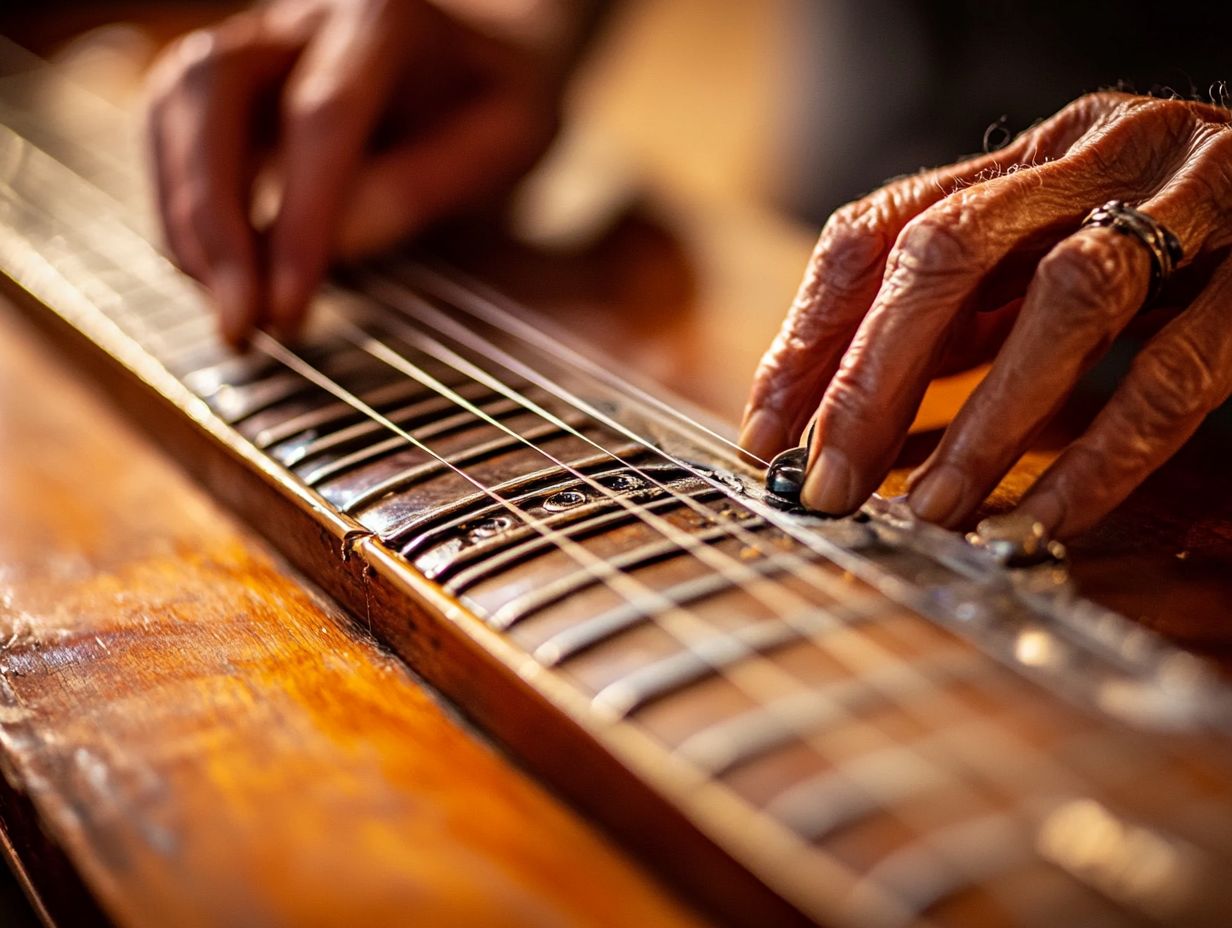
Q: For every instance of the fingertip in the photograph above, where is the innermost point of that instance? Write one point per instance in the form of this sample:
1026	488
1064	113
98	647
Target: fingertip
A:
288	301
940	496
234	294
763	434
236	337
1048	508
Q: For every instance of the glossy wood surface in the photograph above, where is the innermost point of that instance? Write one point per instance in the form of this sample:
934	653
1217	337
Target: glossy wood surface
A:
214	744
184	715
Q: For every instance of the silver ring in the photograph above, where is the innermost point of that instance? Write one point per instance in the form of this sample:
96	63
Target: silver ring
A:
1164	247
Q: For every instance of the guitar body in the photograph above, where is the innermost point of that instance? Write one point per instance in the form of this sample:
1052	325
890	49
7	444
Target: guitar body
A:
192	732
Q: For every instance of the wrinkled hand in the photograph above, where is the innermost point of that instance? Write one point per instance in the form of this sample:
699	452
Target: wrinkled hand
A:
373	118
986	259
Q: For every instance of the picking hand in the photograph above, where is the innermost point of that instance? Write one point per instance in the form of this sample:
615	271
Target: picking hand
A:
375	118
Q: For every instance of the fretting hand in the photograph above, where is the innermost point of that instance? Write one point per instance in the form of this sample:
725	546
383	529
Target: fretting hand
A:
989	258
373	118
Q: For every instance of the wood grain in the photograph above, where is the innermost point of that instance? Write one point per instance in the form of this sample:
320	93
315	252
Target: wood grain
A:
183	714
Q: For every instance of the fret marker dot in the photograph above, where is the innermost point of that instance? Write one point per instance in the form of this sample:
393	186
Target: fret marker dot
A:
622	482
489	528
565	499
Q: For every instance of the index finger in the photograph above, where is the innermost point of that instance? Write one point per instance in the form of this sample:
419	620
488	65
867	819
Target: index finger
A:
845	271
199	126
335	96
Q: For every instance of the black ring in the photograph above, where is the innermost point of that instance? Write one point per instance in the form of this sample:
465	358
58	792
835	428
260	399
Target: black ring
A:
1164	247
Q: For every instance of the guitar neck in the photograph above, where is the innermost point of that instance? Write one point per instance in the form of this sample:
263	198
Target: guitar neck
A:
862	721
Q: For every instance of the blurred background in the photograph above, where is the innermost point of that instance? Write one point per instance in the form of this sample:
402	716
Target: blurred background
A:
805	104
774	111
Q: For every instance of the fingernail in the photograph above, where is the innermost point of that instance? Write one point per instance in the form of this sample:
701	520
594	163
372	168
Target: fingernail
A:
830	484
1047	508
940	495
763	434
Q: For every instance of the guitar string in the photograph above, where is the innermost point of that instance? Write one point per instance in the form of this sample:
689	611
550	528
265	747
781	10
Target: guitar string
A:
688	629
880	895
721	672
822	580
510	324
701	551
1018	815
144	242
892	746
859	655
717	560
892	659
453	329
952	703
481	302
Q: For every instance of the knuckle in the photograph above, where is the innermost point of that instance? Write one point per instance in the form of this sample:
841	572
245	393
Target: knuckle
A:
1207	177
1099	101
198	61
851	249
1178	382
936	243
1135	138
1215	147
1082	113
1092	276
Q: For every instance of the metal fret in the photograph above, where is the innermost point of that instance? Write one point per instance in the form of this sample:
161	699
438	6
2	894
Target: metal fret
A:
522	607
234	370
705	656
592	631
739	739
949	860
524	491
301	459
500	554
584	517
234	404
891	775
351	503
884	778
421	532
318	421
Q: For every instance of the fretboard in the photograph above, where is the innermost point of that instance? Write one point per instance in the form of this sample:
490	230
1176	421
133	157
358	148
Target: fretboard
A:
862	721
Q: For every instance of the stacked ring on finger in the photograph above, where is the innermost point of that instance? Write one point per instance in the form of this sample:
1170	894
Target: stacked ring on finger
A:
1164	247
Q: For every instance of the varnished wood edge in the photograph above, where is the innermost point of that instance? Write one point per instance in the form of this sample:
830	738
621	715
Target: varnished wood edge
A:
53	886
354	569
